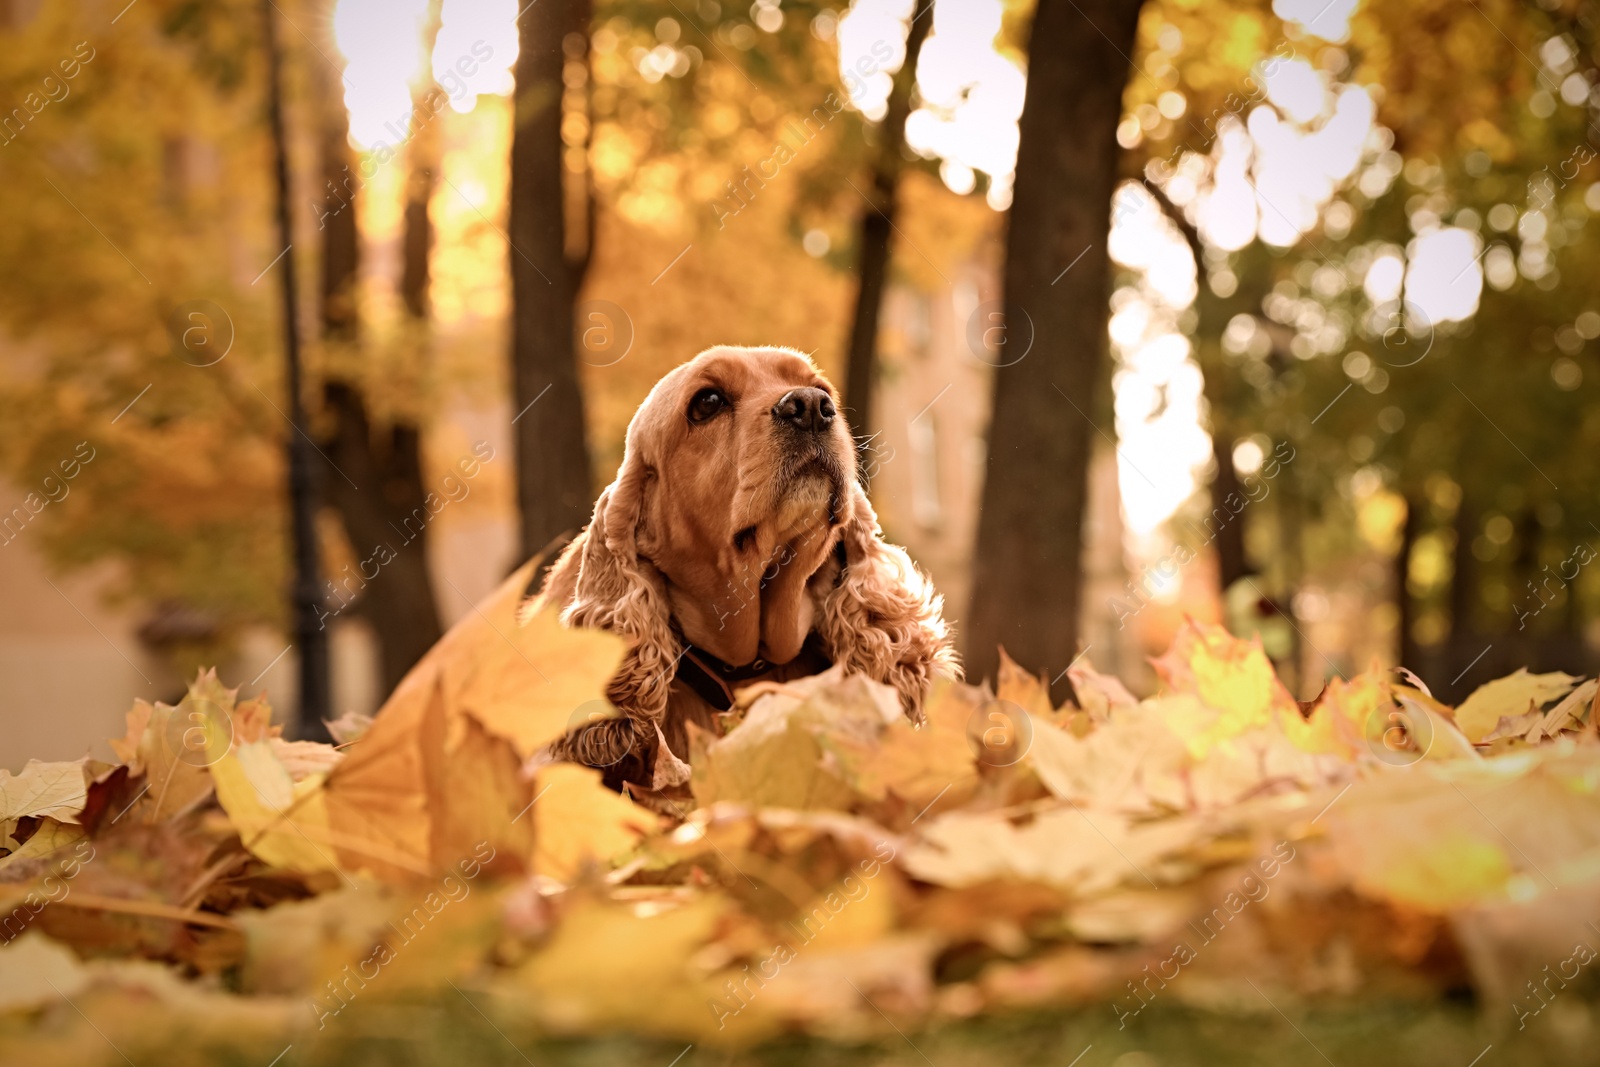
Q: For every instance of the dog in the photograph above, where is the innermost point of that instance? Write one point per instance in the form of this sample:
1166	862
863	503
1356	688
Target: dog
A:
736	545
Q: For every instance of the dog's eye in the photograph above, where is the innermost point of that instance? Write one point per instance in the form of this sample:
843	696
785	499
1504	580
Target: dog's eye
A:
706	404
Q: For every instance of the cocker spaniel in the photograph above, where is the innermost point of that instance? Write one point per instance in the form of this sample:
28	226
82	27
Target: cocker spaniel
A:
736	544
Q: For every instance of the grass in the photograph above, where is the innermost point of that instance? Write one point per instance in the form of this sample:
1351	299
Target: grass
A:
452	1032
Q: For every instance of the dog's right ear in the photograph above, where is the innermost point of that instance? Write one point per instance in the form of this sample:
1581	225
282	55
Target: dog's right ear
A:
601	582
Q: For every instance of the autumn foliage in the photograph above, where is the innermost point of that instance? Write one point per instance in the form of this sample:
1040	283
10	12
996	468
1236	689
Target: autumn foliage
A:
836	871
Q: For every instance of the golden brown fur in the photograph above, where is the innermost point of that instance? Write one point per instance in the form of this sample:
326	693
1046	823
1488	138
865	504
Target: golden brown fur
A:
743	534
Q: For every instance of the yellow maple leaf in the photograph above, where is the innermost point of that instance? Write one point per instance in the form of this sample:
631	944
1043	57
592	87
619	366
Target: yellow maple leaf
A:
1233	678
522	675
421	788
477	797
1075	849
1456	832
578	822
1132	762
1450	871
800	747
282	821
49	837
1348	717
1097	693
173	746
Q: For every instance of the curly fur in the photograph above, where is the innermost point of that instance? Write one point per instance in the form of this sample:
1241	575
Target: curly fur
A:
884	618
604	584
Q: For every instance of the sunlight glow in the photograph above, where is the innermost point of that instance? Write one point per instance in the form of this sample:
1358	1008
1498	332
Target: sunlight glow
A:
476	49
872	46
1383	277
1274	177
382	43
971	99
1440	277
1157	386
1328	19
1298	90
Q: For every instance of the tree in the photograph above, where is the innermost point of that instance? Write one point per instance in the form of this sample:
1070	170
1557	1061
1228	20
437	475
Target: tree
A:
1028	577
185	497
378	490
554	480
876	228
1461	143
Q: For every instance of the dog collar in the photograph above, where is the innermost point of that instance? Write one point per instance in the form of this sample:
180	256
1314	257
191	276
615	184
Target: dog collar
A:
713	679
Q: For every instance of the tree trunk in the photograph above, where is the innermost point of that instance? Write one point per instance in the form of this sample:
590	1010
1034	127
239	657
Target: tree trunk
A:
554	486
341	243
387	525
1533	634
877	225
381	504
1028	579
1462	591
422	159
1291	551
1404	601
1231	562
311	641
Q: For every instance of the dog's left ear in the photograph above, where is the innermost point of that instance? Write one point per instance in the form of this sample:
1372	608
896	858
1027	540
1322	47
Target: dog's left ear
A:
883	617
613	589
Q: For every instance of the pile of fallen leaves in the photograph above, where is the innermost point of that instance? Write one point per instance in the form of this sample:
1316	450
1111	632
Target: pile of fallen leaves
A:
838	871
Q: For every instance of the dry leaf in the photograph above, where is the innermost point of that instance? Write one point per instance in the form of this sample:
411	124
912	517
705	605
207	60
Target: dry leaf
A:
1075	850
1439	836
1019	687
791	752
521	674
280	820
1097	693
578	822
55	790
49	837
921	764
1232	678
1512	695
1133	762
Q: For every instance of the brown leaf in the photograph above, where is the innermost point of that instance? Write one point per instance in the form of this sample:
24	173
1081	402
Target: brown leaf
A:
1031	694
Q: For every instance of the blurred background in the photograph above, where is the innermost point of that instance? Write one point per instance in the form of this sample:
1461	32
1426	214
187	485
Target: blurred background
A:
1276	314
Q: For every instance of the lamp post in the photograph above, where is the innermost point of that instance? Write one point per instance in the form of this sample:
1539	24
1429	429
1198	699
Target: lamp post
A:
310	638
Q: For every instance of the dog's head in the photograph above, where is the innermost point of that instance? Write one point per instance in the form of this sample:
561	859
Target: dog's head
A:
745	468
736	523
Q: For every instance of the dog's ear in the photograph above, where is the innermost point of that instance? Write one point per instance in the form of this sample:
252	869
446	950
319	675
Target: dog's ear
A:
883	617
612	589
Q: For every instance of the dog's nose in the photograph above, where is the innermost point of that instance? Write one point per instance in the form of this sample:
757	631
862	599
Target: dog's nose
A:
809	409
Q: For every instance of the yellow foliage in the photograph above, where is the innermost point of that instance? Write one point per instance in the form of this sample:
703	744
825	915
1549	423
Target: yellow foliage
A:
581	825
